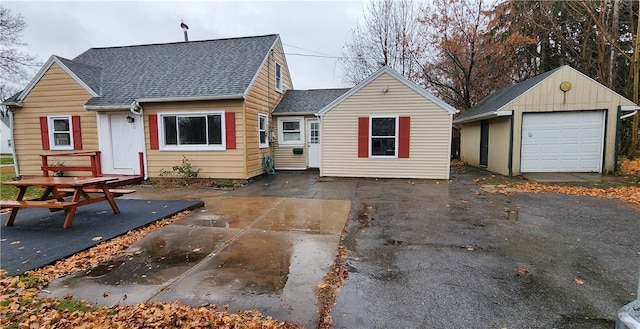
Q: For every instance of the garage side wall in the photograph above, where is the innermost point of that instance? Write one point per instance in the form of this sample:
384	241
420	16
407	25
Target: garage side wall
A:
470	143
499	138
585	94
430	134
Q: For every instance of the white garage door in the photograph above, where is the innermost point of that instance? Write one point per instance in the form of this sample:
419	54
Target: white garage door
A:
562	142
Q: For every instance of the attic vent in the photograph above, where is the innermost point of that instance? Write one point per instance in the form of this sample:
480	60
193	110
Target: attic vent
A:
185	28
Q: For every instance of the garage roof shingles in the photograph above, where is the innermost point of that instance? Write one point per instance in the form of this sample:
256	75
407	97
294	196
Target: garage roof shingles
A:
307	101
211	68
501	97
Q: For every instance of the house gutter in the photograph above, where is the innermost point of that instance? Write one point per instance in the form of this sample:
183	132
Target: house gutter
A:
136	109
106	107
16	168
484	116
295	114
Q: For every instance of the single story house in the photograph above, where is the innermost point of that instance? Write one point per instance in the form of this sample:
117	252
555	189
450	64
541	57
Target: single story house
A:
209	101
225	105
558	121
386	126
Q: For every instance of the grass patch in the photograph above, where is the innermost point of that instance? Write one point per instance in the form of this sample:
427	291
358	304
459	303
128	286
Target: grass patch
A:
6	160
8	192
73	305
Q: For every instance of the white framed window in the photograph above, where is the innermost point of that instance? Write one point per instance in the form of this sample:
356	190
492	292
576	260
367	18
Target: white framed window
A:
60	132
278	77
383	134
291	131
192	131
263	124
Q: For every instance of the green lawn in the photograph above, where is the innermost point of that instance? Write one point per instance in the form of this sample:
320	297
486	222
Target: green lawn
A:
6	160
8	192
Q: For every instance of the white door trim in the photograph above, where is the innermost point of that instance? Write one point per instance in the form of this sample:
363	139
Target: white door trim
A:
106	147
313	144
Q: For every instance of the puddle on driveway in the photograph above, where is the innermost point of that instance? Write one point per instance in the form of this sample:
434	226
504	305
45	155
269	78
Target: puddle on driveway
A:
307	215
236	212
252	253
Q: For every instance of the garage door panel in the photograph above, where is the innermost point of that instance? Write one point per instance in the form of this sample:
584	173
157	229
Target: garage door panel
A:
562	141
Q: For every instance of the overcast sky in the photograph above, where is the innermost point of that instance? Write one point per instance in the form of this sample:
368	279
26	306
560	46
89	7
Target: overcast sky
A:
315	28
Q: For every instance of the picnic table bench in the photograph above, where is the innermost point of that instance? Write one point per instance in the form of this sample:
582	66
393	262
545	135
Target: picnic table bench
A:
83	191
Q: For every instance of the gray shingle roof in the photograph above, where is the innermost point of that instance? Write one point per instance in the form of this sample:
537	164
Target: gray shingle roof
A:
90	75
501	97
307	101
211	68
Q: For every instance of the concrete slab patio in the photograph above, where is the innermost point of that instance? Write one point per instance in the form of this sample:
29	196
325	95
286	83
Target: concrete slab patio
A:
249	252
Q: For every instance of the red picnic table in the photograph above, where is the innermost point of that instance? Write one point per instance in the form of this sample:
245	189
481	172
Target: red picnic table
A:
84	190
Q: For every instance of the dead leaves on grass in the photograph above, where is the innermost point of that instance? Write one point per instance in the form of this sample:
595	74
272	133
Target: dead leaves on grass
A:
626	193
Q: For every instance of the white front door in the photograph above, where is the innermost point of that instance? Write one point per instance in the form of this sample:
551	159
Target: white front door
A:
313	143
120	143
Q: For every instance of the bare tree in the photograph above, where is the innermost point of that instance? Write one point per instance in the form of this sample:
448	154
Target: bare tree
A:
15	64
465	64
390	36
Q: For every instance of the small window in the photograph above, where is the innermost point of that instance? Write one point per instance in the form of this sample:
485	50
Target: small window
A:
192	131
60	132
278	81
384	135
290	131
263	140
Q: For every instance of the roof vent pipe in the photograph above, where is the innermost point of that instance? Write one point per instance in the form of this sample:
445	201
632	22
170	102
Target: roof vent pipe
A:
185	28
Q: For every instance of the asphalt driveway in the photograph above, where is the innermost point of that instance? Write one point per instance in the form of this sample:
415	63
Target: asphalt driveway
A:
422	254
434	254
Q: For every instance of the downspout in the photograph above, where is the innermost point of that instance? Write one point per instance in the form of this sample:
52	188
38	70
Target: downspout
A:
136	109
16	168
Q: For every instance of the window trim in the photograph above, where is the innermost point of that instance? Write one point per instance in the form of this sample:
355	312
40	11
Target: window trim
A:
161	133
266	130
277	79
396	137
281	140
52	144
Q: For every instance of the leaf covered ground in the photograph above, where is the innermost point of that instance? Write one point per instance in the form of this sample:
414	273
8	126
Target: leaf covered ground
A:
22	308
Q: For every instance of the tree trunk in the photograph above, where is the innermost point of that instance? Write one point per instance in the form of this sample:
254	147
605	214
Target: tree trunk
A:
636	118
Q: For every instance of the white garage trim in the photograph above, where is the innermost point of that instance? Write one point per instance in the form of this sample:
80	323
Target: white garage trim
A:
562	141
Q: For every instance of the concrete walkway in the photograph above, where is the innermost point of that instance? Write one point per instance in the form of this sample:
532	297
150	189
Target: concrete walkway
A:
249	252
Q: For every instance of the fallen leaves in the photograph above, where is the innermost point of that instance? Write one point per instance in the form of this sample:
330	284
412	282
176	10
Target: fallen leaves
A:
628	194
578	281
629	167
98	238
22	308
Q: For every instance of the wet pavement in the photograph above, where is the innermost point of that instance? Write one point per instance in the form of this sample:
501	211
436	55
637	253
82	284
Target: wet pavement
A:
421	254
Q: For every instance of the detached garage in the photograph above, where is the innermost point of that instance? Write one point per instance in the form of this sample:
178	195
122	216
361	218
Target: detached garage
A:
559	121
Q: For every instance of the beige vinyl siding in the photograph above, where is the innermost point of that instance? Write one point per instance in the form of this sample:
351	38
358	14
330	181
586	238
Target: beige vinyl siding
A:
499	135
262	98
429	140
227	164
55	93
585	94
470	143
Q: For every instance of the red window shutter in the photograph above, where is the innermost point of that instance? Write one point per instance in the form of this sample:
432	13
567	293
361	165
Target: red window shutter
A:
77	133
44	132
363	137
230	123
403	138
153	131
